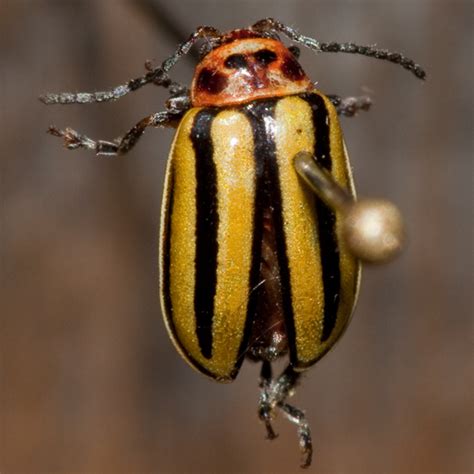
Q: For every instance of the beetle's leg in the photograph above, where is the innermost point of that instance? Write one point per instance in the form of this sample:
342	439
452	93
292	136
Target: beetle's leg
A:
158	76
120	146
265	407
349	106
270	25
297	417
175	88
278	392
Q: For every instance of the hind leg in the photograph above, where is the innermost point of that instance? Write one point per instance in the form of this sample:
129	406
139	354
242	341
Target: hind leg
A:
273	397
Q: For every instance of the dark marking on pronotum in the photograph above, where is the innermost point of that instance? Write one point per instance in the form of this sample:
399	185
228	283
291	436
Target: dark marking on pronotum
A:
292	69
211	81
207	221
268	193
236	61
265	56
329	248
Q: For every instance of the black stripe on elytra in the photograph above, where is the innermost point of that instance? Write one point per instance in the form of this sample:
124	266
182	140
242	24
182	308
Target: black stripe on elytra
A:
268	193
166	273
167	250
166	286
207	221
329	248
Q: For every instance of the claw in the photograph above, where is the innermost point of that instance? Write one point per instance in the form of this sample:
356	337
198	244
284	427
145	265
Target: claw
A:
72	139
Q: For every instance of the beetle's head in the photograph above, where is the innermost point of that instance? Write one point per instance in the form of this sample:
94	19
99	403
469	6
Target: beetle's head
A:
246	66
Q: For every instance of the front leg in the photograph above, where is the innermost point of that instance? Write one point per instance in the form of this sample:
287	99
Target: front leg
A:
120	146
349	106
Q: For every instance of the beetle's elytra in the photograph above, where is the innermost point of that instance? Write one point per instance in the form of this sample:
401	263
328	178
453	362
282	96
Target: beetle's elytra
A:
270	275
261	239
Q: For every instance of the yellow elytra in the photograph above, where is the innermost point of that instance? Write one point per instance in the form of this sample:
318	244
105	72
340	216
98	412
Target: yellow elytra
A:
212	283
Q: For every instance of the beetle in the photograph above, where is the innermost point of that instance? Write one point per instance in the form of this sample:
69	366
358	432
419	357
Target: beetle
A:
261	236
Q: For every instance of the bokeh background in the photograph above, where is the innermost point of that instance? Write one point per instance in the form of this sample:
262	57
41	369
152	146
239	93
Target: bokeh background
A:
90	382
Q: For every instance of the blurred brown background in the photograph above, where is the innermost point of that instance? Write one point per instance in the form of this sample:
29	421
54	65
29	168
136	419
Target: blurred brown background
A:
90	382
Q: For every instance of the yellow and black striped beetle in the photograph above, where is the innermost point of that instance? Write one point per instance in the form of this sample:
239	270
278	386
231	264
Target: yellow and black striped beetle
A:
261	238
